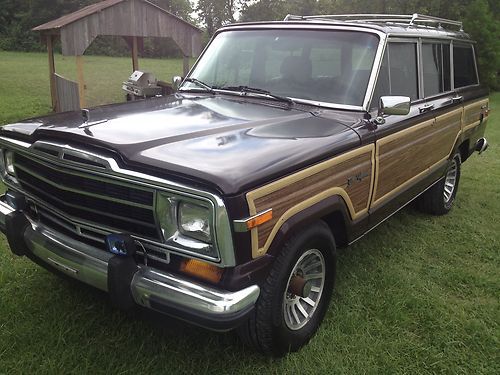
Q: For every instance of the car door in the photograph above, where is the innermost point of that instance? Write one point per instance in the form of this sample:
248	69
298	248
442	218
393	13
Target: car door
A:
411	150
440	100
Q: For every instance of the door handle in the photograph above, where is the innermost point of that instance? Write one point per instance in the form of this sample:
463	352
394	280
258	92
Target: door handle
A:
457	98
426	107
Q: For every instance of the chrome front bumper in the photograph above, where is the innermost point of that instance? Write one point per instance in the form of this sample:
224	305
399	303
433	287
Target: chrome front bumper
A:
158	290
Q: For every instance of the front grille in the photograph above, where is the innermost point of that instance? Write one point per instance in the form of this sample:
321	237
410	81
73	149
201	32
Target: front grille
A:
87	198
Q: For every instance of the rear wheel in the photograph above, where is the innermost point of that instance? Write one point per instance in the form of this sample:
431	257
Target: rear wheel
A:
295	296
438	200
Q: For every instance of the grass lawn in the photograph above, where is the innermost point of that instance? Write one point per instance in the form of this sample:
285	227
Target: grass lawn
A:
24	83
419	294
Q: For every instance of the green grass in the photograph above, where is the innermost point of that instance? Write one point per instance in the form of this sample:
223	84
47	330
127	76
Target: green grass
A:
419	294
24	81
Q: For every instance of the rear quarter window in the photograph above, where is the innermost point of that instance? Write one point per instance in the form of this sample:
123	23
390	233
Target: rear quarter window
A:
464	66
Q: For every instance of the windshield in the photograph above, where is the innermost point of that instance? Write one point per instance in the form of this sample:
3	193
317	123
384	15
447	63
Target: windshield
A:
322	66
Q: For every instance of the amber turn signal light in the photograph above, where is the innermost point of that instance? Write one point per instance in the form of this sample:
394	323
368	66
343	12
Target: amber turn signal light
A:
202	270
259	219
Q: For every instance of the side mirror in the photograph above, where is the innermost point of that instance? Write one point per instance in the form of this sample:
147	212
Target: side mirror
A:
176	82
394	105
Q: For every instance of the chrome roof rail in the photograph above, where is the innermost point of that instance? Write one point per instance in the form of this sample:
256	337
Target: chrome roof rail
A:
402	19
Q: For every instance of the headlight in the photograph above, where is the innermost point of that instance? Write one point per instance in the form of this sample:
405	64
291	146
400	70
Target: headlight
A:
187	225
194	221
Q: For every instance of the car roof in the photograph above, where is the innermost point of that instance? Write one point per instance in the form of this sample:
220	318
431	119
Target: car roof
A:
429	27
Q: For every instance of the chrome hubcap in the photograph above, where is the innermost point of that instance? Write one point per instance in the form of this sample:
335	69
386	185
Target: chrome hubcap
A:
450	182
298	310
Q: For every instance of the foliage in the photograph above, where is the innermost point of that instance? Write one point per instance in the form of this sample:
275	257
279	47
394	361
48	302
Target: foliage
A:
483	27
20	16
216	13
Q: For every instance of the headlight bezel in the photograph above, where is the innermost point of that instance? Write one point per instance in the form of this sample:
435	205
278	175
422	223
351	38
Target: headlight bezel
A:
168	212
9	161
7	172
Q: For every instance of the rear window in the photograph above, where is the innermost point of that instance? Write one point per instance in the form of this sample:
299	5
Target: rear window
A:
464	66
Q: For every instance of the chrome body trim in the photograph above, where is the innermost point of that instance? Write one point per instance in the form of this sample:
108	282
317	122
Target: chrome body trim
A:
411	19
222	225
174	290
90	265
240	225
392	213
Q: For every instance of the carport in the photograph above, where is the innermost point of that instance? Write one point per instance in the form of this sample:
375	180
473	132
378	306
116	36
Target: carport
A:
133	20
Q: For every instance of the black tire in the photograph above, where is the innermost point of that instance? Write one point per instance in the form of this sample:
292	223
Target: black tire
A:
267	329
438	200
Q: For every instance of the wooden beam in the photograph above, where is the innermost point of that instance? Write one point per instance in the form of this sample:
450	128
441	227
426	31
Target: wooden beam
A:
81	81
185	66
52	71
135	54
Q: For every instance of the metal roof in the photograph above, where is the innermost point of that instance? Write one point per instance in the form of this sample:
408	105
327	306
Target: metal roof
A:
126	18
92	9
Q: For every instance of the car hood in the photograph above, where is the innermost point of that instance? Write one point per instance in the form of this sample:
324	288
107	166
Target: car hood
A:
227	142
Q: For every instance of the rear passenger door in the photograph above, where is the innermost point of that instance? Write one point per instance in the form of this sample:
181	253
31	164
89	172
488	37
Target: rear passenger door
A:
440	99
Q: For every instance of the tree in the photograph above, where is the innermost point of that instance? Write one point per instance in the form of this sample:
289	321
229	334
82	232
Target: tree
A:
485	29
216	13
180	8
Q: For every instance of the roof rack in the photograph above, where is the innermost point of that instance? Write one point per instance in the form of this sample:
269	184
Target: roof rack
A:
405	19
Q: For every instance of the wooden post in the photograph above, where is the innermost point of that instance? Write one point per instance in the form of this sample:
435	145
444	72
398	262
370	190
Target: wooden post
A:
81	81
52	71
135	54
185	65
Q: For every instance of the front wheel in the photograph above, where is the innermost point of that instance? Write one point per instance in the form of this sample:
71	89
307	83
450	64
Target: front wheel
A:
438	200
295	296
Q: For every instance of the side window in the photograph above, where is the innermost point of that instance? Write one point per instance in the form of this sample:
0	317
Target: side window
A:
436	68
464	67
398	73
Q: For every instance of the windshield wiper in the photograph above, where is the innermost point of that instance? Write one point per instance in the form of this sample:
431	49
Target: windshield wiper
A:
254	90
201	84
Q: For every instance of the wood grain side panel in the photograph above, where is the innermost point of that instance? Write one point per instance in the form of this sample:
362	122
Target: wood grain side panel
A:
409	153
305	188
473	113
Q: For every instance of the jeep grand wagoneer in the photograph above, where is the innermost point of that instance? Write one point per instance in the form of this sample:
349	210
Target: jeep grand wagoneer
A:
223	203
